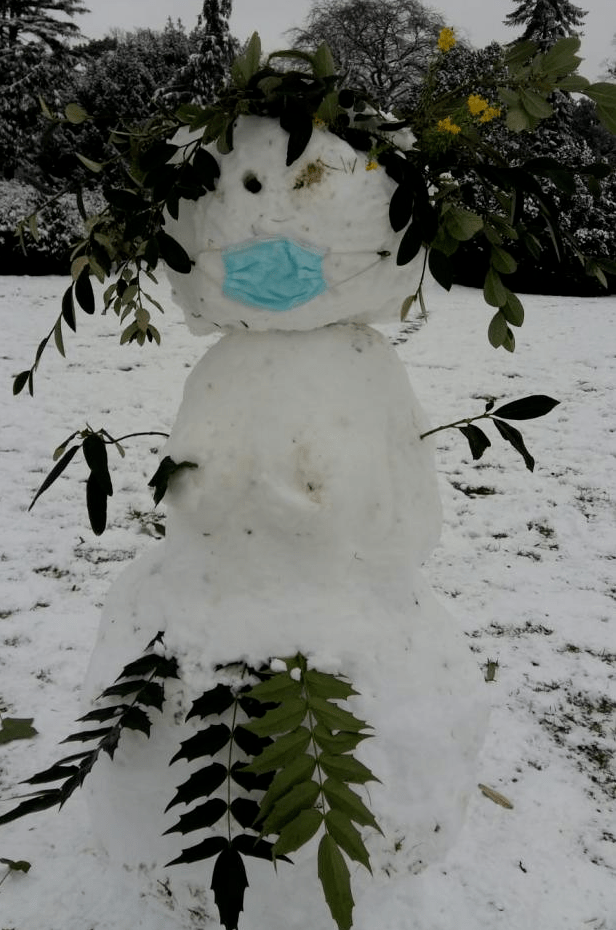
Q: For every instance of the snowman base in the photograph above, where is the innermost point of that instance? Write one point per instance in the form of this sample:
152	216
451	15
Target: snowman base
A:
299	532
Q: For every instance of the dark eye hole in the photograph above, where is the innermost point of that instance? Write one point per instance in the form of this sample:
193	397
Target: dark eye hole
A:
252	183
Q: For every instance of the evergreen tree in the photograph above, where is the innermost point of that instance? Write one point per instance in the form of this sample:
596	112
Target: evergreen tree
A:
23	22
34	58
209	66
546	20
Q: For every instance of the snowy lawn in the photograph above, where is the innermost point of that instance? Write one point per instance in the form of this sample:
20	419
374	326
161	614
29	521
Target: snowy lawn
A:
526	562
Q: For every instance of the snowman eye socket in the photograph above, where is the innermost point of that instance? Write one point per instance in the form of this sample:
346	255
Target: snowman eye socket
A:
252	183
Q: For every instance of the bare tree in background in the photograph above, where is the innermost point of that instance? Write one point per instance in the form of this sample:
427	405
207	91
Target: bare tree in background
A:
384	46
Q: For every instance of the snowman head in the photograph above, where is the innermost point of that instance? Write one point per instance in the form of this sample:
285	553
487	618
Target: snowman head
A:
288	241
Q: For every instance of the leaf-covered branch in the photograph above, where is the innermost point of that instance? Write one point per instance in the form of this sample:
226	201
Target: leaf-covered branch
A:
527	408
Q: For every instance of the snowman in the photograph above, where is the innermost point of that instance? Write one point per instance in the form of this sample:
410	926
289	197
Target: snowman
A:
301	531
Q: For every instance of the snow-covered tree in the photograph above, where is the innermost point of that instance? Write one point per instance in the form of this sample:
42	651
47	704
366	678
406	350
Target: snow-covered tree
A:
209	66
545	21
34	57
25	21
384	46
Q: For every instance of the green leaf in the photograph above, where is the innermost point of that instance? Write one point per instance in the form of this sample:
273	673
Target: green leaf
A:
277	688
244	811
607	117
517	120
497	330
75	113
160	480
334	717
247	64
174	254
134	718
512	309
323	62
204	743
330	687
299	798
19	865
519	52
441	268
334	876
561	58
95	454
20	381
300	770
94	166
68	308
535	104
514	437
461	224
341	797
410	244
14	728
57	335
573	84
84	294
603	94
204	850
205	815
401	206
346	768
280	719
200	784
283	750
527	408
229	883
298	832
494	291
55	473
477	440
347	836
502	260
335	744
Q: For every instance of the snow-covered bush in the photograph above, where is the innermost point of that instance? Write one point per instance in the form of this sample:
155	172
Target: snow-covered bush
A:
46	248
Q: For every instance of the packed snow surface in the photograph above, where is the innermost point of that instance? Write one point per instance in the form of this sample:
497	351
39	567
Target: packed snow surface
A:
525	564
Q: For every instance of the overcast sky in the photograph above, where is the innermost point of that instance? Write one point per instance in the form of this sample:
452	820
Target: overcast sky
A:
479	20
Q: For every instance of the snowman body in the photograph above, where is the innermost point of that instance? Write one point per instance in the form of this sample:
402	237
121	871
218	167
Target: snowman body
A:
302	529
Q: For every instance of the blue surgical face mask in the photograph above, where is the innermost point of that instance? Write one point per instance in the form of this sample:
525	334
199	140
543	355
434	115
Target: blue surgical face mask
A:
273	274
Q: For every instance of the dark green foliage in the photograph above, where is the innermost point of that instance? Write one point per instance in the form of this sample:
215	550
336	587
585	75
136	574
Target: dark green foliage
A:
527	408
160	480
146	693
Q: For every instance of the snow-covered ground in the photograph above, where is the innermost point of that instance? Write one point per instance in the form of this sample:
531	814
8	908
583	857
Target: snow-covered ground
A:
526	563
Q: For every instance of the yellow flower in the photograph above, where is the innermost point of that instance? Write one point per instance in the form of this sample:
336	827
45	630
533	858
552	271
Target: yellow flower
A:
489	113
446	125
372	165
446	39
476	104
